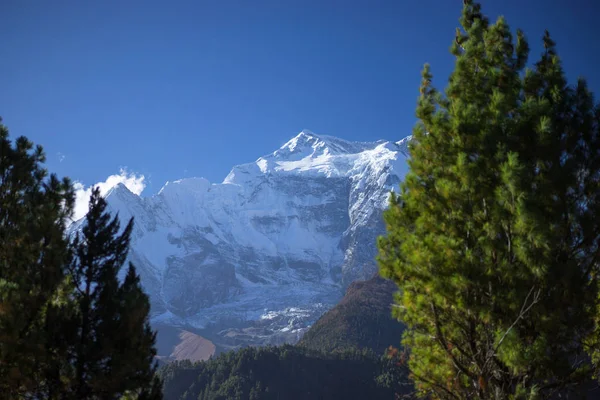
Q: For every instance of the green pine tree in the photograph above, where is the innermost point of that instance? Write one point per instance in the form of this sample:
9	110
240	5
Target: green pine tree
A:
494	238
111	347
34	209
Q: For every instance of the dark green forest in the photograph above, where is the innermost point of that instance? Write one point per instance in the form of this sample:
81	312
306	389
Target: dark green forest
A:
287	372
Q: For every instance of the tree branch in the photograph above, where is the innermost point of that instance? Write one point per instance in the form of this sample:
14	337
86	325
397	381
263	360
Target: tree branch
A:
444	344
524	309
436	385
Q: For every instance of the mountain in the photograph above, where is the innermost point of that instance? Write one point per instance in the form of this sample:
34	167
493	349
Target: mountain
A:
361	320
259	257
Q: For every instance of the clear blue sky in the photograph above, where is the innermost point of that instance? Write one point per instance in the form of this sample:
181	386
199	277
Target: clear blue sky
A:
176	88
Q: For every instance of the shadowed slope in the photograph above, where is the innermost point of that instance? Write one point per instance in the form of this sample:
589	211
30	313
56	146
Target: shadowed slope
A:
362	319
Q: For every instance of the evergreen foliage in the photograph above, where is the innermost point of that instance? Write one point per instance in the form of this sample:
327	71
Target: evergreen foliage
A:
494	238
286	372
69	329
34	207
111	343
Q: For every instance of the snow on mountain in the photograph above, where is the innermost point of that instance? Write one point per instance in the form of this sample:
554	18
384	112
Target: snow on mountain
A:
260	256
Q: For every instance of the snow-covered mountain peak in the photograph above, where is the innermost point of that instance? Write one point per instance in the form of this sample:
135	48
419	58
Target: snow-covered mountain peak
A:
307	143
310	154
286	232
121	193
119	189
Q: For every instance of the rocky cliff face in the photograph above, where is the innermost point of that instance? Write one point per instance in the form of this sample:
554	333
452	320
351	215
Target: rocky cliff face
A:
260	256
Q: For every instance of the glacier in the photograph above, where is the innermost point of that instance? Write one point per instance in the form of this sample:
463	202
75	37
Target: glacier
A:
259	257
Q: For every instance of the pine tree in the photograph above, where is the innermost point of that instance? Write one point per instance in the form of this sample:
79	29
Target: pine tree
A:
494	239
34	208
111	344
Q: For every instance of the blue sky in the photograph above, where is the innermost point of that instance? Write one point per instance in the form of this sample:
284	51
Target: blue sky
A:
173	89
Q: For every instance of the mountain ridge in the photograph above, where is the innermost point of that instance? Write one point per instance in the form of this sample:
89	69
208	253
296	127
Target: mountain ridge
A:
261	256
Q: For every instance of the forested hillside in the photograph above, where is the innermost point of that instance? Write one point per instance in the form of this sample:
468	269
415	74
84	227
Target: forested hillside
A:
286	372
362	320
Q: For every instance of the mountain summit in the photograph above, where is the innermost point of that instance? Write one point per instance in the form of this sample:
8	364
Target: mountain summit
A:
260	256
316	155
323	143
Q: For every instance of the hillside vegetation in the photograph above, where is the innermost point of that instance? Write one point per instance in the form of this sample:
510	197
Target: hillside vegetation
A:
286	372
362	320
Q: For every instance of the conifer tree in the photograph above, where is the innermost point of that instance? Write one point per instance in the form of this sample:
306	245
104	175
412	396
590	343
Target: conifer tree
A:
68	328
494	237
34	208
111	344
